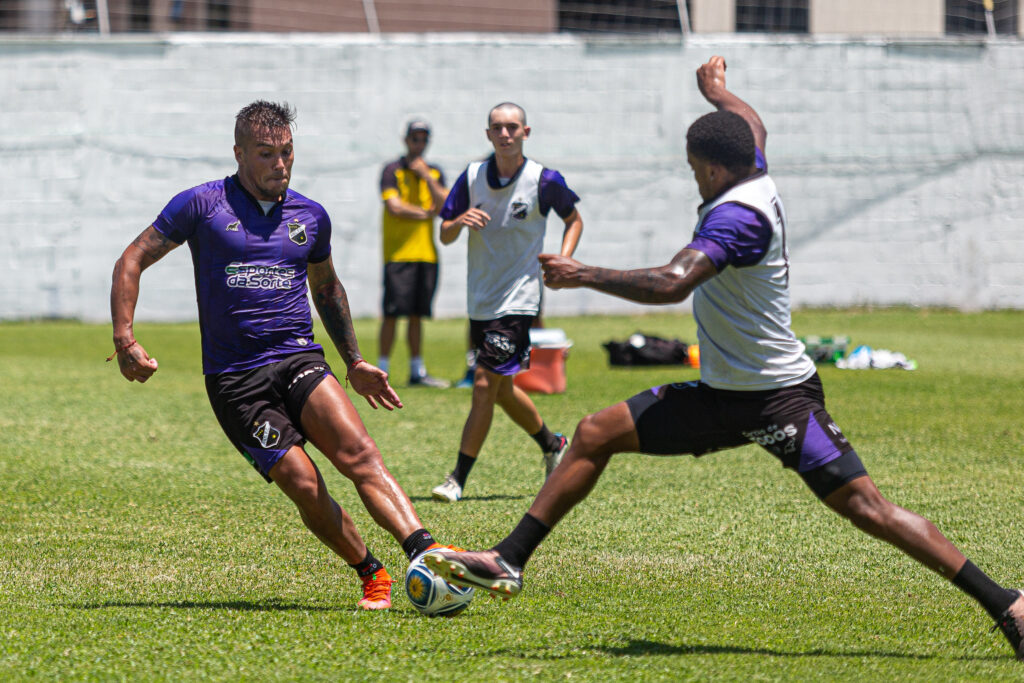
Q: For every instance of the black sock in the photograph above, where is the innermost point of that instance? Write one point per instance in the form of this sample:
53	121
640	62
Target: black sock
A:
989	594
369	565
462	467
546	439
417	542
517	547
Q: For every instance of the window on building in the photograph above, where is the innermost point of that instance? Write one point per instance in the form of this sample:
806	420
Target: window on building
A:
619	16
218	15
138	15
772	16
968	17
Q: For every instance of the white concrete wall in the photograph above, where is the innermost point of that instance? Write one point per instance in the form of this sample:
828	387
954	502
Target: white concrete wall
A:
902	164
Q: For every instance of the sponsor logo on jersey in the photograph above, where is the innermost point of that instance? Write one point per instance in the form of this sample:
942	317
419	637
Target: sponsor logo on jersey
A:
232	227
519	210
258	276
266	435
297	233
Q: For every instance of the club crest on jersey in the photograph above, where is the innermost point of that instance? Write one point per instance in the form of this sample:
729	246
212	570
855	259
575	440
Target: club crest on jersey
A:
519	210
233	227
297	233
266	435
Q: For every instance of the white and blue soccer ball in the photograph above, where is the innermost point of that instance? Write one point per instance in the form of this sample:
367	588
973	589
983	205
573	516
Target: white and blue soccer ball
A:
432	595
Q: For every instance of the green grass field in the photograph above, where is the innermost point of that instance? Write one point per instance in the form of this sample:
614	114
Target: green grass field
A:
136	544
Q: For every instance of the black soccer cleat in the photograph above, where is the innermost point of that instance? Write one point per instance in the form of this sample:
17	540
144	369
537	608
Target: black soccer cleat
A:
486	570
1011	623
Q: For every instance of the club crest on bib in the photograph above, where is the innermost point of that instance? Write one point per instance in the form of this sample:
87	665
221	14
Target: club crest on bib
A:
519	210
297	233
266	435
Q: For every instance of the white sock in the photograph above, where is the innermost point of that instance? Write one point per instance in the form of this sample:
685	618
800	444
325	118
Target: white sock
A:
384	363
416	367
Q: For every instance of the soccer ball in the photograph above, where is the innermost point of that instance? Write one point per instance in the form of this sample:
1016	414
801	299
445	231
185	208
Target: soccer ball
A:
432	595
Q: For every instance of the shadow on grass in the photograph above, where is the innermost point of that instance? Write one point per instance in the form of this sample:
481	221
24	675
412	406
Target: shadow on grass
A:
269	605
497	496
636	648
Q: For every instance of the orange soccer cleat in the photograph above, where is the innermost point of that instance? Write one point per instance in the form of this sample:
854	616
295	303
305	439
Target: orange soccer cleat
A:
376	590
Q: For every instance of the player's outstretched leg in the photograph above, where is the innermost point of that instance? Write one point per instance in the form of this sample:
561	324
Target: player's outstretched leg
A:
861	502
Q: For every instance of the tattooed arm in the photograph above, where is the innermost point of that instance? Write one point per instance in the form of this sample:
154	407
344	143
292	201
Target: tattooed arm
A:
149	247
332	304
666	284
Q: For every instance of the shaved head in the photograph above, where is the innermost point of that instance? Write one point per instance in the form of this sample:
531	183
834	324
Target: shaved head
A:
510	106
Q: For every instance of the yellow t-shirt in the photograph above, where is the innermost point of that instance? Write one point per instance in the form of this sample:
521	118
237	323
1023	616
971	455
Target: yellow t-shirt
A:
406	239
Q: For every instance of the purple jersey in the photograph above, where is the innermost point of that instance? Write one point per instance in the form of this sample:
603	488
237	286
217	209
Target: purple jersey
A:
250	270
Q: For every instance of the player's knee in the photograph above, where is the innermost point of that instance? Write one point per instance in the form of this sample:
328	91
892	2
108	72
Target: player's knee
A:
868	511
357	455
590	439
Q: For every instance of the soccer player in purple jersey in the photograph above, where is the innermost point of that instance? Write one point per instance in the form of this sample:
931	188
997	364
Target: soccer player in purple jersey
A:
757	385
255	244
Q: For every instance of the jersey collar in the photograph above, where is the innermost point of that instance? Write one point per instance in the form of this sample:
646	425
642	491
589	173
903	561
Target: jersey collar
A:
492	174
236	181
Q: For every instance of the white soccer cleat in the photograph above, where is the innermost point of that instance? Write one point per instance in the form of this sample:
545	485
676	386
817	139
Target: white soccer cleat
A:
448	491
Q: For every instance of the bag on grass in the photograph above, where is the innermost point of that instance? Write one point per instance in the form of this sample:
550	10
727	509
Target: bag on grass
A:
643	349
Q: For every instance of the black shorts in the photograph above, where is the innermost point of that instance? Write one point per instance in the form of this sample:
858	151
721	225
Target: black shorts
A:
260	409
790	423
409	289
502	345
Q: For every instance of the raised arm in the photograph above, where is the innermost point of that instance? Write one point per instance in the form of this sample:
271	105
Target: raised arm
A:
331	303
666	284
711	82
149	247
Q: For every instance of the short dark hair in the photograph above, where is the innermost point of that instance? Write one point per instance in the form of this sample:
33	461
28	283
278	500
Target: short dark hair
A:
723	137
510	105
262	116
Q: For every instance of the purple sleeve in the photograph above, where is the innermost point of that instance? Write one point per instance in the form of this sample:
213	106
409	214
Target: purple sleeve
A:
458	199
555	194
322	247
733	235
178	220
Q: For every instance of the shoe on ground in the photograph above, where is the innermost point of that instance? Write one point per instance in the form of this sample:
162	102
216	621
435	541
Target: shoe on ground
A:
428	381
552	458
467	381
376	590
447	491
1011	623
485	570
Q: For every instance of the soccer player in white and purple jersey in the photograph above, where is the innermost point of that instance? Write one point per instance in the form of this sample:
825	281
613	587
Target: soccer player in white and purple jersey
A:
504	203
255	245
756	386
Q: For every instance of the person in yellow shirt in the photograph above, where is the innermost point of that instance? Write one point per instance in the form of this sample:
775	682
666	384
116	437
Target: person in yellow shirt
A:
413	191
